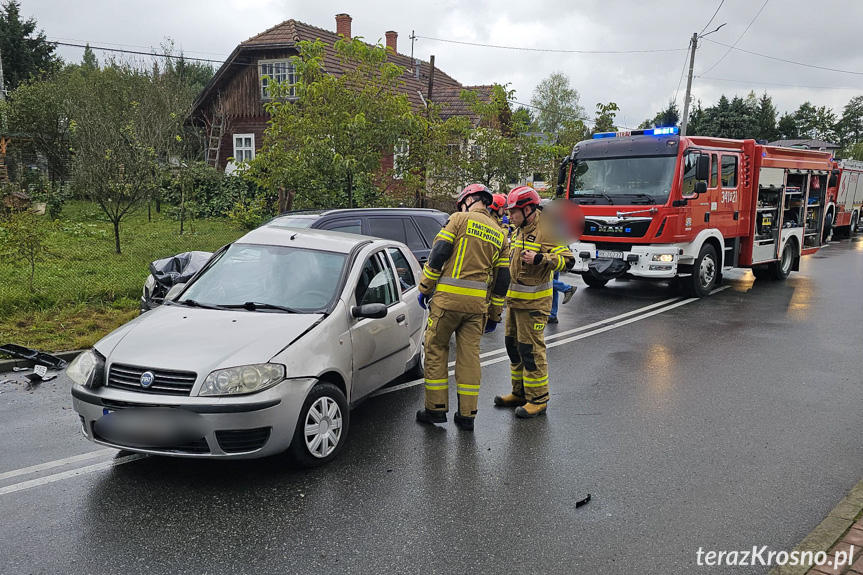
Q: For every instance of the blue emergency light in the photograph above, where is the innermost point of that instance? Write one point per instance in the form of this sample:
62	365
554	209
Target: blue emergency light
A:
665	131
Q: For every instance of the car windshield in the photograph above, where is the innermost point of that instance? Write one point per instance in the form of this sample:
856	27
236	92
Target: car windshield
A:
302	280
294	221
638	180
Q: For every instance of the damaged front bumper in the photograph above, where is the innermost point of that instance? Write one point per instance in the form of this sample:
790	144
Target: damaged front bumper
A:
608	262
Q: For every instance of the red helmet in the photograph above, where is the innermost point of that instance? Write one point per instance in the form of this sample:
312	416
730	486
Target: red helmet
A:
499	202
475	189
522	196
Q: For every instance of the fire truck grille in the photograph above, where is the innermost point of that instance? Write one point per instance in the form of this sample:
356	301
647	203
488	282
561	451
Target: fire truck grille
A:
624	229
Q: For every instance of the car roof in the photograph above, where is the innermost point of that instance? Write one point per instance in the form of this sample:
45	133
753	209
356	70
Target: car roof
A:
363	211
308	239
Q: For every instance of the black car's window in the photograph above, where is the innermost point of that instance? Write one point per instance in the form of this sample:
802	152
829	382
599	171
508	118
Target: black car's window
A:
346	226
403	269
377	282
429	226
414	241
388	228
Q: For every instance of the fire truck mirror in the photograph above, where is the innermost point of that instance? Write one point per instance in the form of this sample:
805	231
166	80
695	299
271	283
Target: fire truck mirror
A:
561	176
701	187
702	169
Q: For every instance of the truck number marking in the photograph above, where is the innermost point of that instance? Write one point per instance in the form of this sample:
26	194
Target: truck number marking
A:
729	197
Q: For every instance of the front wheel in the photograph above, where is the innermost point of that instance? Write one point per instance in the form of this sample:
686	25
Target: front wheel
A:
828	226
705	273
593	281
780	270
854	223
322	426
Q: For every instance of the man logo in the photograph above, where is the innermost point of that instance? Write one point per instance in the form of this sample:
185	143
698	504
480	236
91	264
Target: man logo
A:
147	379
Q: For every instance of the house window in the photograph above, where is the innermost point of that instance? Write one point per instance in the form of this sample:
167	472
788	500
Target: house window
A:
277	71
244	147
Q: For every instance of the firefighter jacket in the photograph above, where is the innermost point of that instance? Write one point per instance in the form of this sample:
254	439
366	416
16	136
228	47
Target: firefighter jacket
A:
531	284
469	258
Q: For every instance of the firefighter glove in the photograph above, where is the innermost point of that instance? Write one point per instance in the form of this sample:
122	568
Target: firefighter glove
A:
490	325
423	300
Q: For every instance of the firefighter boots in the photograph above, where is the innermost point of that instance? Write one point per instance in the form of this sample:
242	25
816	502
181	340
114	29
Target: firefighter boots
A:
509	400
463	421
429	416
531	410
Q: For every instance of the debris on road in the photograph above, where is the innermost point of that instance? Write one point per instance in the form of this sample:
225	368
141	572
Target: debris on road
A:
583	502
38	357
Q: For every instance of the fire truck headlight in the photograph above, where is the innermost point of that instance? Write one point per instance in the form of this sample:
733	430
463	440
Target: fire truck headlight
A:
667	258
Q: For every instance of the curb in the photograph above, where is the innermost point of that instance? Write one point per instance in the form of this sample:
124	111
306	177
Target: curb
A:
8	364
829	532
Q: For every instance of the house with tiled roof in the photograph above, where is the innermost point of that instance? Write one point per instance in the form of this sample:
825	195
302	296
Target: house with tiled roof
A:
231	106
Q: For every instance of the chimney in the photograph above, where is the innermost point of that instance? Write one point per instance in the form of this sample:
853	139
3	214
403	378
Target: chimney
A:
392	40
343	25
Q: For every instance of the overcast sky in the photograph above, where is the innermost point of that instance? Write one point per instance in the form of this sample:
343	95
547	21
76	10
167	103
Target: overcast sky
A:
826	33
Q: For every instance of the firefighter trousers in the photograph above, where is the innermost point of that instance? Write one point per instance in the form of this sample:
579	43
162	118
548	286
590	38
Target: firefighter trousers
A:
468	329
525	345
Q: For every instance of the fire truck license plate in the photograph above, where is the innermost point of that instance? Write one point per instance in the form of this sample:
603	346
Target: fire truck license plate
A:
609	254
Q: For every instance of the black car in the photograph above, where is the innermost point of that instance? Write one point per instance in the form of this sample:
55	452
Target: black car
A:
414	227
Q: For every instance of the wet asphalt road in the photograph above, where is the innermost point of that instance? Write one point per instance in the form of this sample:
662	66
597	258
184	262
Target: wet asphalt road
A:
721	423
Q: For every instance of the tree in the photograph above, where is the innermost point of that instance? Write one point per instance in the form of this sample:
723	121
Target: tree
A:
765	119
329	142
89	62
25	52
670	116
605	114
850	126
115	154
787	127
806	119
42	109
24	237
523	120
556	102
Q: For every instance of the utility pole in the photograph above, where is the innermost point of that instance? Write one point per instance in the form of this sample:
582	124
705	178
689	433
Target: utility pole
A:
685	121
2	84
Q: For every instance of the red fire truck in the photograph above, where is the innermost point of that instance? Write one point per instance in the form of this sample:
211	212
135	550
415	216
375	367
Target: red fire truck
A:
663	206
844	198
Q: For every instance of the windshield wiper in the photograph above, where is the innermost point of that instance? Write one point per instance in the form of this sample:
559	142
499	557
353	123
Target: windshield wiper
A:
193	303
606	196
650	199
254	306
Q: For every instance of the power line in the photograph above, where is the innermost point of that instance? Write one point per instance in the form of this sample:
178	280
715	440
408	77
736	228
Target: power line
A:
759	83
179	56
554	50
129	45
573	116
787	61
712	17
739	37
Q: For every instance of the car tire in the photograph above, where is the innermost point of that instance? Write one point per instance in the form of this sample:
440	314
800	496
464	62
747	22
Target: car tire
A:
828	226
779	270
418	370
311	448
593	281
705	273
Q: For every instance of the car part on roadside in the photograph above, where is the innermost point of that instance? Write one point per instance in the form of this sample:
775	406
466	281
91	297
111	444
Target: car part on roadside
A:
583	502
39	357
167	272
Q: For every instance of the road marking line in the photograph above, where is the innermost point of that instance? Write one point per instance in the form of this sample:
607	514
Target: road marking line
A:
71	473
584	327
55	463
451	372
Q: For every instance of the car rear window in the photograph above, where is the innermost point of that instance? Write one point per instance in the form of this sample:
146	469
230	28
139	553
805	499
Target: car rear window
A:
429	227
388	228
294	221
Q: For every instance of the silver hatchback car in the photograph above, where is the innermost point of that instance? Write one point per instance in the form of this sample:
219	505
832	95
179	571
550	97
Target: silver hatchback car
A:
263	351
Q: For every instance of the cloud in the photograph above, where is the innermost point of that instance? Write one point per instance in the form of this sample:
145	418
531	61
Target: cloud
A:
825	34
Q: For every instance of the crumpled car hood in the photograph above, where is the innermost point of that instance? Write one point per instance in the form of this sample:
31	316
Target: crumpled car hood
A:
201	340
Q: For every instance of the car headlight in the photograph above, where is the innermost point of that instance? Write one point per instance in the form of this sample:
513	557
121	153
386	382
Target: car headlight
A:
149	285
87	369
243	379
667	258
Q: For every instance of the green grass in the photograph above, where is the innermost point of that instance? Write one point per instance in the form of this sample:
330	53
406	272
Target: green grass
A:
82	275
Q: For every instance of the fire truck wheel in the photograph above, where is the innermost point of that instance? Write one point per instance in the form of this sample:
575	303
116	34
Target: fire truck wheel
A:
760	273
592	281
854	223
780	270
704	272
828	226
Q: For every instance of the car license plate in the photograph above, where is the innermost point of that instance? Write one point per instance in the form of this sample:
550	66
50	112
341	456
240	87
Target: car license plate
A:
609	254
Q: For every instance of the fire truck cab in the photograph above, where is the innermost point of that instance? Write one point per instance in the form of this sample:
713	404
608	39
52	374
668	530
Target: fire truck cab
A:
658	205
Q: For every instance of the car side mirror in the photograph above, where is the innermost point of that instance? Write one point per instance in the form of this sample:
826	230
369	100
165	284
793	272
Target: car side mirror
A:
371	310
700	187
834	179
174	291
702	167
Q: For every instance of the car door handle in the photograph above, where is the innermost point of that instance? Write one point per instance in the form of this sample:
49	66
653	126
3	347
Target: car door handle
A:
400	318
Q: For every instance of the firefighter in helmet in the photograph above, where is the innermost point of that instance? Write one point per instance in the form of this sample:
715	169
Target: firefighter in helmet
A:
533	260
497	210
469	259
